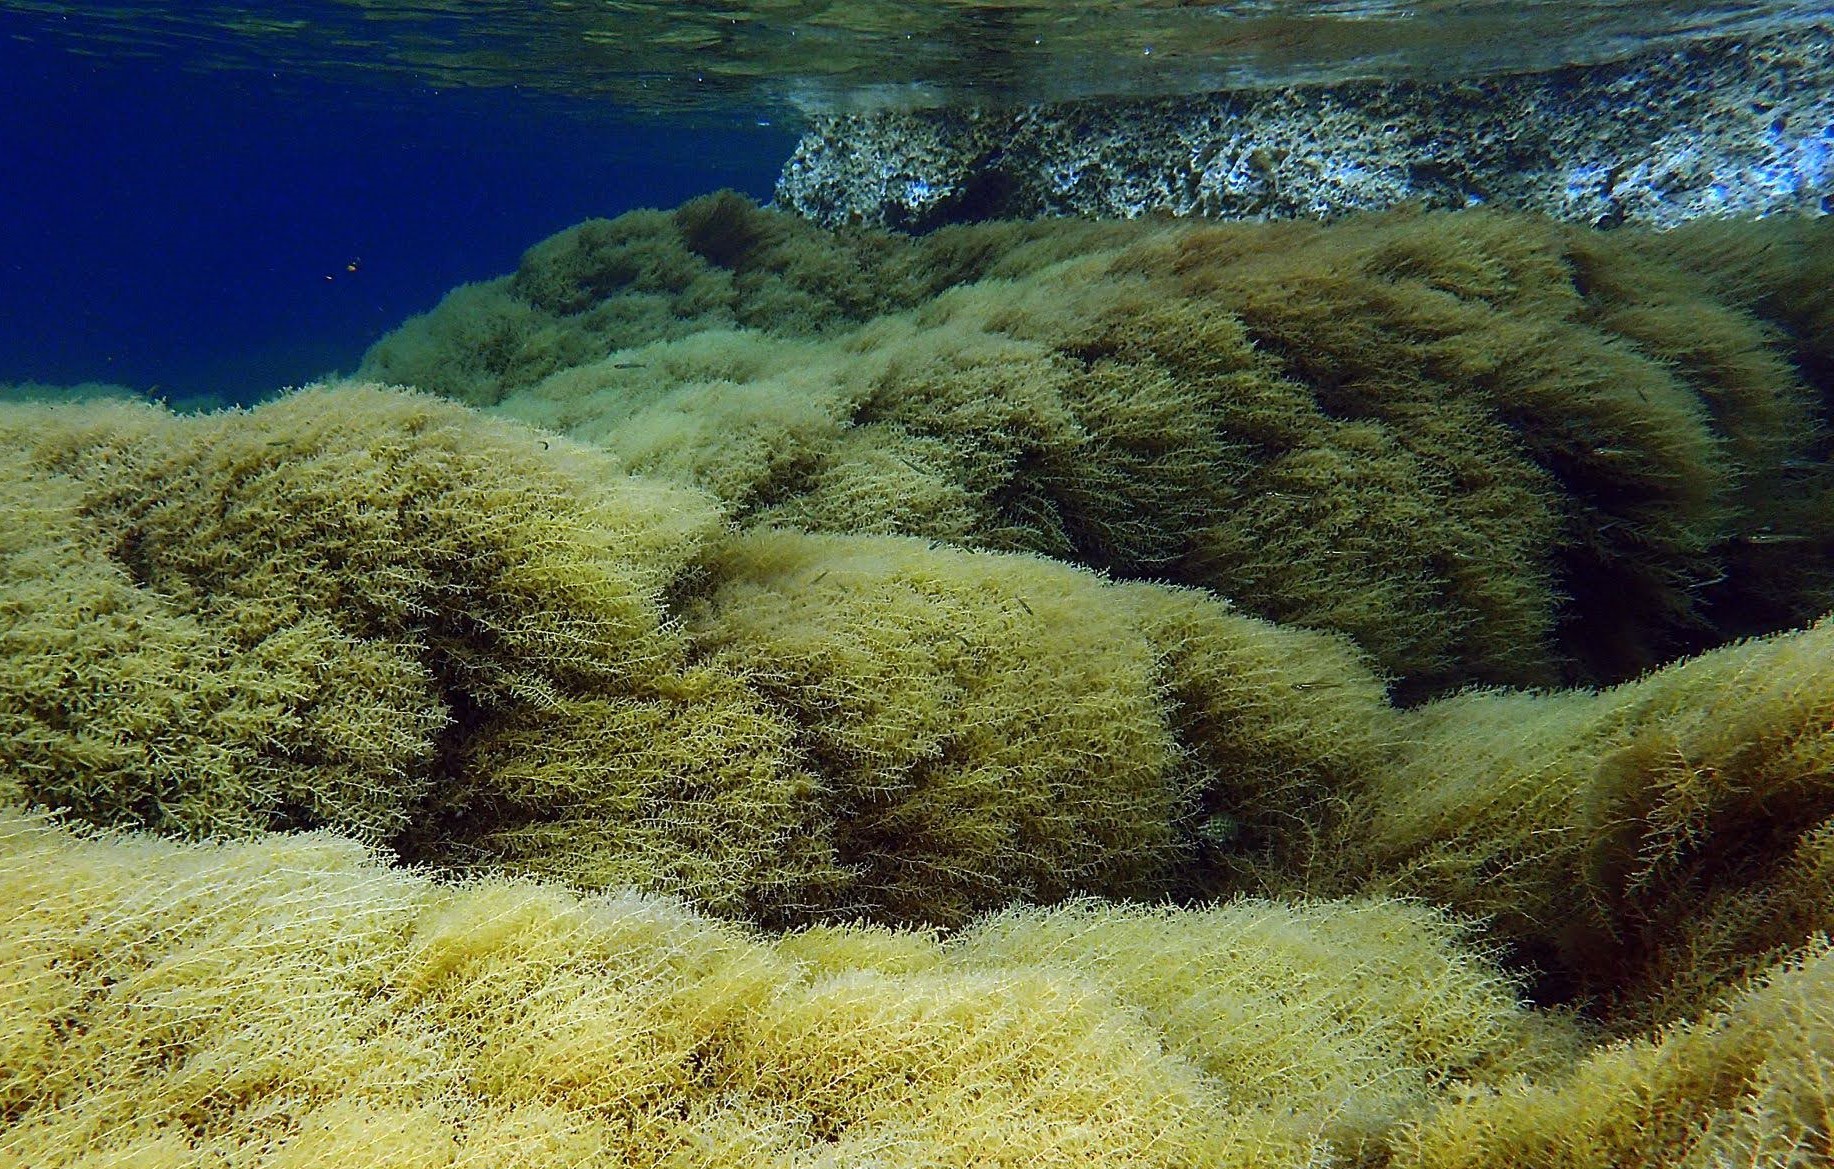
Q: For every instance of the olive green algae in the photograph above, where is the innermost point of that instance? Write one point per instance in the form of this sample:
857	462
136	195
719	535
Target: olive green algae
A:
1135	694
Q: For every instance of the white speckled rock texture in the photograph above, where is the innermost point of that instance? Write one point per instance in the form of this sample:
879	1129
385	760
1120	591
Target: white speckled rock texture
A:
1716	128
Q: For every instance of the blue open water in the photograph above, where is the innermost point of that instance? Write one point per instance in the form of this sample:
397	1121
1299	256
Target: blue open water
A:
221	234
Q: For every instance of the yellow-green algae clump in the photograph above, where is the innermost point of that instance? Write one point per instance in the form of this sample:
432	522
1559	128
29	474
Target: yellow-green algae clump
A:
780	730
1490	448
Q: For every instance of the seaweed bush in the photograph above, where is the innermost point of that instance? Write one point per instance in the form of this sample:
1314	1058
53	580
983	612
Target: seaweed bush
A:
1489	448
1138	694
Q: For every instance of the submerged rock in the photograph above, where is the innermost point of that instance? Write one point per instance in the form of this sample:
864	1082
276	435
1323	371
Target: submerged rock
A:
1724	127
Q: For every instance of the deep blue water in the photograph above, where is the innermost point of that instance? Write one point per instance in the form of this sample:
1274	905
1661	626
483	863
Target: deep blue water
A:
224	234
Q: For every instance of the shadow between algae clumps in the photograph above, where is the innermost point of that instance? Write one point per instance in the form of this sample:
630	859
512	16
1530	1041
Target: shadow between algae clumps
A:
862	588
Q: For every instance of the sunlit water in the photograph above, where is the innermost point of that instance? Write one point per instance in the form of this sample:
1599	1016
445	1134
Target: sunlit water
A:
824	54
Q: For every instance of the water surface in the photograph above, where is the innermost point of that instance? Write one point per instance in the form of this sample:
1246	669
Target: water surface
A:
677	58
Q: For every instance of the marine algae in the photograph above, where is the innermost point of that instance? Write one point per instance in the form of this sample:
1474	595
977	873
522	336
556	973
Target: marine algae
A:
760	740
291	998
1490	448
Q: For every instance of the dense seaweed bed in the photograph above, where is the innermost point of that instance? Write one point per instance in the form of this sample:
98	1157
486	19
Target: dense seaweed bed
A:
1047	693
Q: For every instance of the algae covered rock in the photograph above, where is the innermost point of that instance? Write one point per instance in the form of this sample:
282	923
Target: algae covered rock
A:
1745	1084
324	611
182	1003
1489	448
988	727
380	613
1653	843
762	723
175	1004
